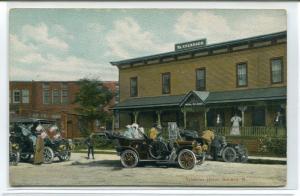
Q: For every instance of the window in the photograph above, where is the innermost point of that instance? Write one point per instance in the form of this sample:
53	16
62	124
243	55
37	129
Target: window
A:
56	96
166	83
241	70
25	96
16	96
200	79
133	87
276	70
46	94
64	94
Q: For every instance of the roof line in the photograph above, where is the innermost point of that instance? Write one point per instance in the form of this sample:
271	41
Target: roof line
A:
254	38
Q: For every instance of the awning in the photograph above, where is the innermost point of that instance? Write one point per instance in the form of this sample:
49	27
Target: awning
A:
204	98
259	94
150	102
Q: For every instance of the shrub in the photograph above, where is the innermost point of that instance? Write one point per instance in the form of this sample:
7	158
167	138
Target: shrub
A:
275	145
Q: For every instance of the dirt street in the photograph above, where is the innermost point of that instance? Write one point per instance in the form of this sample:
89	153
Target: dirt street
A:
106	170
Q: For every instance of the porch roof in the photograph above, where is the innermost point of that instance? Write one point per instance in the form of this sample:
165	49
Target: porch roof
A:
149	102
259	94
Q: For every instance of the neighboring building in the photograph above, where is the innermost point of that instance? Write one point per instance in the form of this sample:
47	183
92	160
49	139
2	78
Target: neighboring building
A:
197	82
49	100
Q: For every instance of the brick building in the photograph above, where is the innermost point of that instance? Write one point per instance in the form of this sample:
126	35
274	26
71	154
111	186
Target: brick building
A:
197	83
50	100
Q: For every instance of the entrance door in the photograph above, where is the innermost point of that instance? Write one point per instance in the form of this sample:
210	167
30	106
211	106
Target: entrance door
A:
258	116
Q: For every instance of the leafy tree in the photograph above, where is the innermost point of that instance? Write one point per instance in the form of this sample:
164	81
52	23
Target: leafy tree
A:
92	98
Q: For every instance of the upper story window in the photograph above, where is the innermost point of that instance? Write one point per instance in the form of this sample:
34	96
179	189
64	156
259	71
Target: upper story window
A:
25	96
241	74
276	70
200	79
16	96
46	94
166	83
134	87
56	96
64	94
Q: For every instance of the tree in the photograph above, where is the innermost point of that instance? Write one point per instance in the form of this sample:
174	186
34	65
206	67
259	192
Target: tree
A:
92	98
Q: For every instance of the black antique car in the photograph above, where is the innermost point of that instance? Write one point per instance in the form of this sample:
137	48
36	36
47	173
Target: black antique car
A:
228	152
22	136
133	151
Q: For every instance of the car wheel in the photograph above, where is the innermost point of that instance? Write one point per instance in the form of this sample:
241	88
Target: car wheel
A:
229	154
48	155
187	159
65	156
15	158
129	158
244	157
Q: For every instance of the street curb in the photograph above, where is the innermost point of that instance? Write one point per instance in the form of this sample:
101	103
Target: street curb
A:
97	151
262	160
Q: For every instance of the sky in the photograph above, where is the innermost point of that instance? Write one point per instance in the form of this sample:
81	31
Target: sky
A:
70	44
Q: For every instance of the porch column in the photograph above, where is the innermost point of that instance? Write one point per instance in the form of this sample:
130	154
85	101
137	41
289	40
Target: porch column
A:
243	109
184	117
136	114
113	121
205	116
158	117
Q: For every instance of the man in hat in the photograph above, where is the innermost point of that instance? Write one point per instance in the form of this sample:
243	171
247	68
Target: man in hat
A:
90	145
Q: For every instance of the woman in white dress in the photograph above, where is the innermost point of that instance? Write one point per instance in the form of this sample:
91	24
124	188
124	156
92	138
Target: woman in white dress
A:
235	129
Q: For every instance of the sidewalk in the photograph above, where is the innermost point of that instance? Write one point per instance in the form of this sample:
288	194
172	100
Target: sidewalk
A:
267	160
251	159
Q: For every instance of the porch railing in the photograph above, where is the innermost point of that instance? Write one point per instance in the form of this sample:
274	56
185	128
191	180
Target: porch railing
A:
253	131
256	131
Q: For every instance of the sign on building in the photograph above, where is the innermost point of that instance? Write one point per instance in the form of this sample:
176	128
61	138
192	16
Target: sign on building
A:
190	45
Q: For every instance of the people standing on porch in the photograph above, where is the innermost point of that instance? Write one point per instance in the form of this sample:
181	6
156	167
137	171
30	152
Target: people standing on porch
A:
278	119
218	122
235	129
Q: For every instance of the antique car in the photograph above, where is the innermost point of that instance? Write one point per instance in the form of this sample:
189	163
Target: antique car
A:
25	138
228	152
134	151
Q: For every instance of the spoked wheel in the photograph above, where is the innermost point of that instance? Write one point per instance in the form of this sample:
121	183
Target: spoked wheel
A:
14	158
244	157
48	155
229	154
157	150
65	155
129	158
186	159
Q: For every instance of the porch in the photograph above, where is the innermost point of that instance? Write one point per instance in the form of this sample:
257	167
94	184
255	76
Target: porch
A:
199	110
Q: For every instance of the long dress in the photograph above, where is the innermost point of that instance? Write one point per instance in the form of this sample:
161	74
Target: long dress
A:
39	151
235	129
